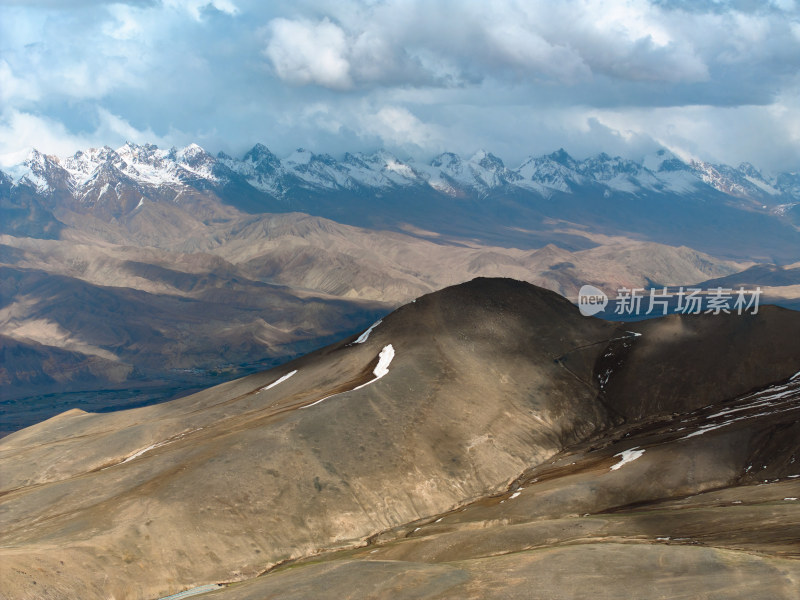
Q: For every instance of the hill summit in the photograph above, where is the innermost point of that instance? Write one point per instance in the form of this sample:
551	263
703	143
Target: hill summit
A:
458	438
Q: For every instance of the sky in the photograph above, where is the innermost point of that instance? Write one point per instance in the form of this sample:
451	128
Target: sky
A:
711	80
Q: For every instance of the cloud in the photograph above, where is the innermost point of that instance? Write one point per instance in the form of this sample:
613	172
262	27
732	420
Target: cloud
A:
21	131
198	8
450	44
303	53
401	128
716	79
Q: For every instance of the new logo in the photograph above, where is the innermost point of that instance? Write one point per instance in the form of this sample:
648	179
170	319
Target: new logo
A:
591	300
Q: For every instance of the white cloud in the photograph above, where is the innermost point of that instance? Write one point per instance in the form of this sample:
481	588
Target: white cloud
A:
13	88
116	129
20	132
516	77
521	49
303	53
765	135
195	8
398	127
125	24
449	43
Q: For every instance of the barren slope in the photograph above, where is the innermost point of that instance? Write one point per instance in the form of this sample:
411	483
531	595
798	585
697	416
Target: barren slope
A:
172	297
444	410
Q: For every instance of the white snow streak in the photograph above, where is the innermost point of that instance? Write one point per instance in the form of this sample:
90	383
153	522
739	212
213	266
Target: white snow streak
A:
150	447
320	400
703	430
382	368
363	337
775	399
140	452
627	456
274	383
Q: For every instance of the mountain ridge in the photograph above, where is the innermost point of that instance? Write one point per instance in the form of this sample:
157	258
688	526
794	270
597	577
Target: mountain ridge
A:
448	173
492	431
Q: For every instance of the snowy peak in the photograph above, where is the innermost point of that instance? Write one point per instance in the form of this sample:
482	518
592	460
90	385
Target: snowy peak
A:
618	174
146	154
561	157
149	172
261	159
35	171
487	161
195	160
380	169
39	172
549	174
664	161
316	170
304	169
145	165
744	182
484	171
489	171
604	167
448	161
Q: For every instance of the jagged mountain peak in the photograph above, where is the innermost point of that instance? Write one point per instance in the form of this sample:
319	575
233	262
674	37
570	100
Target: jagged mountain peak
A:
749	170
35	157
33	171
562	157
447	160
196	158
448	172
259	153
558	172
549	174
356	159
487	160
604	167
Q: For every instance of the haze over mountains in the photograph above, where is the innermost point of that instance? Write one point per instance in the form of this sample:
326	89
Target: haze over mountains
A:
136	274
485	441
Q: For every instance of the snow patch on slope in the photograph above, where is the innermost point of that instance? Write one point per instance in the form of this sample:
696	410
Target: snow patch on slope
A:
627	456
381	369
277	381
364	336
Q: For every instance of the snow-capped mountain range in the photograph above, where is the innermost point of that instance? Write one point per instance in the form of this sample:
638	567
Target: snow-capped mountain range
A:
90	176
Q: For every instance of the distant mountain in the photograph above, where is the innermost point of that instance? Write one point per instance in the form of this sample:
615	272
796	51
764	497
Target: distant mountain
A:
166	270
484	441
143	167
662	199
